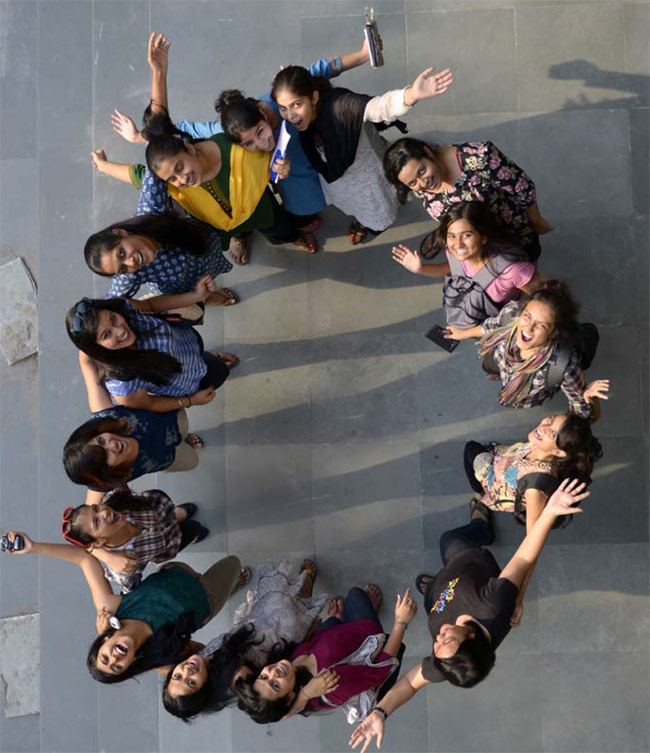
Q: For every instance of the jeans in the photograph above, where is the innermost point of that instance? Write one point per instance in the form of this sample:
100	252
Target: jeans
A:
356	606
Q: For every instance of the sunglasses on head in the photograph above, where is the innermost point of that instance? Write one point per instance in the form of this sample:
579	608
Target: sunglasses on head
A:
66	526
81	309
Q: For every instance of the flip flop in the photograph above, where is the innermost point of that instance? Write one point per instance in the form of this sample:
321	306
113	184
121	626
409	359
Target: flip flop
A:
244	579
306	242
427	249
317	224
309	567
194	441
422	583
230	359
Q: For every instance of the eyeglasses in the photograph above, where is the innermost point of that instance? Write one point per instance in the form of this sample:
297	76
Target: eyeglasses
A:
82	308
66	526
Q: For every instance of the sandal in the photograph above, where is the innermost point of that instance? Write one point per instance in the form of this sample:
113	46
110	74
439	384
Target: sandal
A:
308	567
306	242
317	224
484	513
239	251
203	532
422	583
357	233
230	359
427	247
375	595
335	608
194	441
244	579
222	297
190	509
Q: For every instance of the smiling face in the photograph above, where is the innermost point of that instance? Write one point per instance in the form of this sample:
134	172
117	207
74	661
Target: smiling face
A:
464	241
131	254
116	653
421	174
276	681
536	326
184	169
188	677
100	522
120	451
113	332
449	639
259	138
300	111
544	437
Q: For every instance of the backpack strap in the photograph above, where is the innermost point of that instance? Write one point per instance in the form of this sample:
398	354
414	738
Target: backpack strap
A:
558	364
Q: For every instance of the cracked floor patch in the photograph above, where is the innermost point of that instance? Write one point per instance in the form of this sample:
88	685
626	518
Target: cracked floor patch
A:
20	653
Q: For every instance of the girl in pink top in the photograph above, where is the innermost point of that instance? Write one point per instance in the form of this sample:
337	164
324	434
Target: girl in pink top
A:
343	664
480	258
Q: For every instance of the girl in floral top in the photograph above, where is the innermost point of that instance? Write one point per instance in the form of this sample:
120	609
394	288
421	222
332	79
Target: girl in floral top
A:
475	171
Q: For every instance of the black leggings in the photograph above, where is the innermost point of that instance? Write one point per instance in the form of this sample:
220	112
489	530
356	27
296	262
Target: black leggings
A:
281	231
472	449
190	529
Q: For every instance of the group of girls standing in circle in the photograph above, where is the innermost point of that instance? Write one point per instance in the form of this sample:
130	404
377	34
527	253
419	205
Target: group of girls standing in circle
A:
203	190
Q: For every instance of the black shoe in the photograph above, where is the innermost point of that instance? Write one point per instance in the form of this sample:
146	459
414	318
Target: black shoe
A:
190	509
203	532
422	583
485	514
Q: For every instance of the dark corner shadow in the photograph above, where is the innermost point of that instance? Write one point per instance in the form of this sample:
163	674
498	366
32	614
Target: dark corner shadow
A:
635	84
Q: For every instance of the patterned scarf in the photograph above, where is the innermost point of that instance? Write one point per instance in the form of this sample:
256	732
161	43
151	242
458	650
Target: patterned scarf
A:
518	386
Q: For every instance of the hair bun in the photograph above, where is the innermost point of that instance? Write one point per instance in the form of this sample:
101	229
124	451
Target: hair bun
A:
227	98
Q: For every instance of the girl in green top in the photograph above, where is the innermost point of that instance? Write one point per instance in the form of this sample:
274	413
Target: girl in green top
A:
149	627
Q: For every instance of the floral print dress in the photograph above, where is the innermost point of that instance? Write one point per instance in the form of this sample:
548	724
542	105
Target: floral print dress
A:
488	175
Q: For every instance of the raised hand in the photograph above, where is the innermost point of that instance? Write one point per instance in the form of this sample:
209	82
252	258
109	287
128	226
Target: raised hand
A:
125	126
203	397
406	607
372	726
598	388
28	545
563	499
325	682
429	84
408	258
157	53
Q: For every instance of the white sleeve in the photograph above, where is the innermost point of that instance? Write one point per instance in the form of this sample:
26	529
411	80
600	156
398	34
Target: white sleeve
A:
387	107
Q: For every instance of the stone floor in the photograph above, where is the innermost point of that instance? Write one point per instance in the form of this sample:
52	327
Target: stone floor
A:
341	432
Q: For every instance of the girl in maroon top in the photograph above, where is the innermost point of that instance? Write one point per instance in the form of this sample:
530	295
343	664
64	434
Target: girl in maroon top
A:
346	658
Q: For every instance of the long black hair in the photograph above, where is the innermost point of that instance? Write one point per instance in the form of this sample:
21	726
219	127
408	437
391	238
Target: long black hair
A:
238	113
120	500
176	234
581	447
472	661
164	140
221	666
167	646
299	81
124	364
479	217
399	154
259	709
86	464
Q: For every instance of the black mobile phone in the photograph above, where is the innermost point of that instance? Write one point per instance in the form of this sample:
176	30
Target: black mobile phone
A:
437	335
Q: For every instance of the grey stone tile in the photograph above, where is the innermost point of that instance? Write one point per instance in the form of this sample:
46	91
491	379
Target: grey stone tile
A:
608	286
271	40
439	32
571	55
367	496
511	691
297	735
209	733
18	97
135	705
637	39
639	129
348	37
568	693
269	497
65	81
20	649
407	731
618	355
20	734
19	238
596	603
554	140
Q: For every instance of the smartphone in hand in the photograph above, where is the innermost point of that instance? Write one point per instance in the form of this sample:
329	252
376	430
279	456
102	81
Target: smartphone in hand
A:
437	335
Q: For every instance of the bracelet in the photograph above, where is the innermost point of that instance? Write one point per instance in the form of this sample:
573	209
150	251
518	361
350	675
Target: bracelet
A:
405	625
189	401
381	711
180	405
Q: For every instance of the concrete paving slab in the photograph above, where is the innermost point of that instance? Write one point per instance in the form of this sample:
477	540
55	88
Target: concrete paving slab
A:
18	311
20	648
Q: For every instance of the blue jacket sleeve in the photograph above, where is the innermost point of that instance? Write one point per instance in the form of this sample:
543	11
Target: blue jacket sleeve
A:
327	67
200	129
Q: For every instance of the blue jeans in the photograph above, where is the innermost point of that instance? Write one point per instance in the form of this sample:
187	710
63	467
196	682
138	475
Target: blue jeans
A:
356	606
